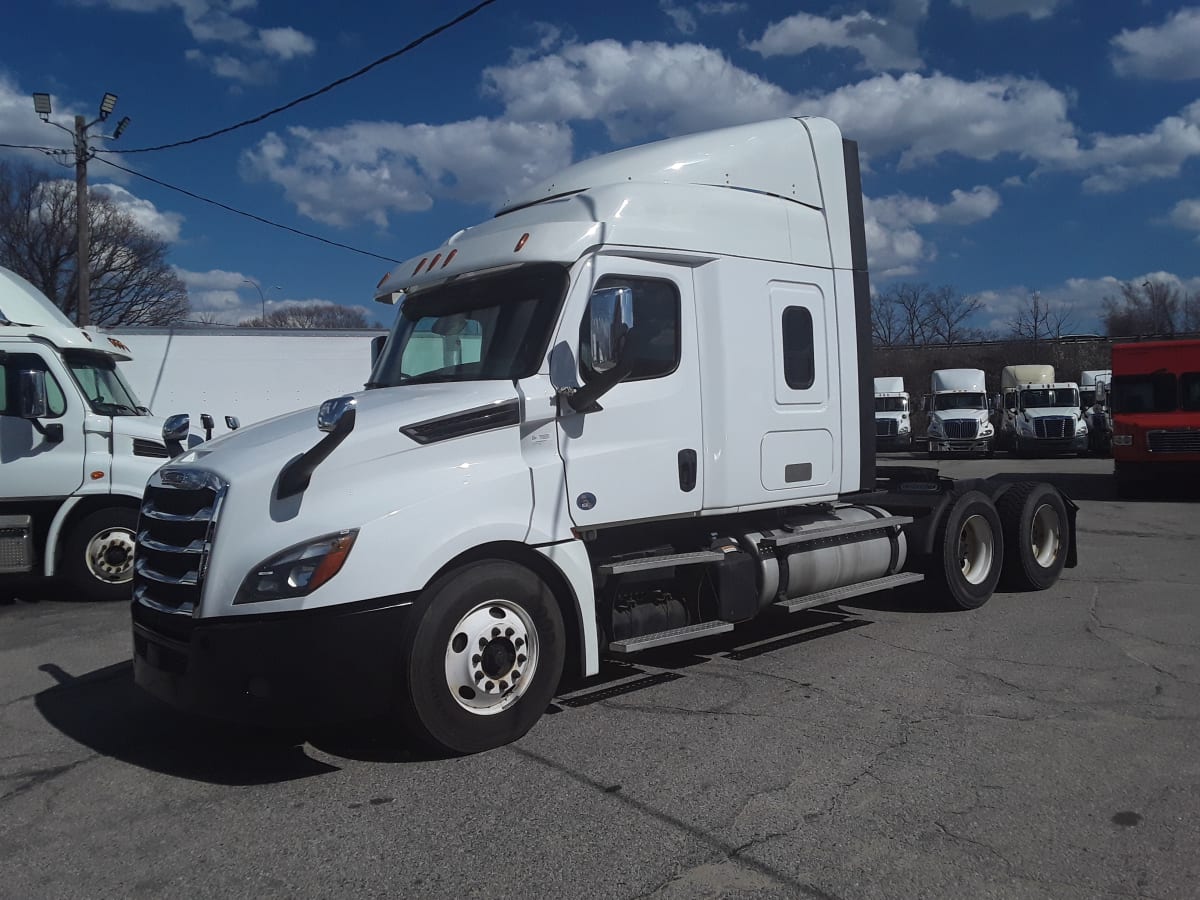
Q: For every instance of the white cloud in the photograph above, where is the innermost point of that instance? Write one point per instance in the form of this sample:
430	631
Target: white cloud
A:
224	297
999	9
721	8
884	42
637	90
1170	52
368	170
896	248
163	225
681	17
19	124
1186	215
219	22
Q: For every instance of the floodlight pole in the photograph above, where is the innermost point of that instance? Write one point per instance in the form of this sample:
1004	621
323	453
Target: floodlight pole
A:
83	251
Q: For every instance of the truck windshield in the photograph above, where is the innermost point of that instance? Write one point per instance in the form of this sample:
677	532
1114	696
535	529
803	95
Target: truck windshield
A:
959	401
487	328
101	383
1189	391
1143	393
1040	398
891	404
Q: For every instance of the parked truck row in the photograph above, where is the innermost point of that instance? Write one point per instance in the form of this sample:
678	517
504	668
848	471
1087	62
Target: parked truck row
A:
633	409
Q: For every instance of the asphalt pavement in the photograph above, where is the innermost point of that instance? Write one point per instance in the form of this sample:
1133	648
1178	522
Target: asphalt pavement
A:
1046	745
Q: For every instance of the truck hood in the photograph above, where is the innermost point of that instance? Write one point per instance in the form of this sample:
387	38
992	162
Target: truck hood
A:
954	415
262	450
138	427
1038	412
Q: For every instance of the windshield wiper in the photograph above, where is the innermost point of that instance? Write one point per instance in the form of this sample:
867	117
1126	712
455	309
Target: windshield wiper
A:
427	378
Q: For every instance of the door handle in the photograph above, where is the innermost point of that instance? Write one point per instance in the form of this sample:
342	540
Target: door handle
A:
687	470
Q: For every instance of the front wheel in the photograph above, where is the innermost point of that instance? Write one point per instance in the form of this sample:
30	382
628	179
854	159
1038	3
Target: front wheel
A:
483	659
1036	535
968	551
98	554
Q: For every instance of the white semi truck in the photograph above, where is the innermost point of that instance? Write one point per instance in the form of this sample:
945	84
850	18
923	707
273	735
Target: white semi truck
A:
1040	415
663	430
958	413
893	428
76	448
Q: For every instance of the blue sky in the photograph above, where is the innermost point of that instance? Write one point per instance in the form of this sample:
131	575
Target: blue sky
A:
1010	145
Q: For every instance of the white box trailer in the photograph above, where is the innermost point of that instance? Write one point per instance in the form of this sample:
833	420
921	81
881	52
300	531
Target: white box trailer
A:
1040	415
248	373
893	427
667	432
958	413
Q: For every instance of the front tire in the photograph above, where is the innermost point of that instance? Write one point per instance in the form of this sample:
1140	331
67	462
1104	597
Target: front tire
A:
98	554
483	659
968	551
1036	536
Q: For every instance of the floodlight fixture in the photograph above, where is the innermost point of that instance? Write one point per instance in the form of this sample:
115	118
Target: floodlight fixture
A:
107	104
41	105
121	126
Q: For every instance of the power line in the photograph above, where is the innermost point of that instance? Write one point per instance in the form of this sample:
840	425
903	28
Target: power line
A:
227	208
412	45
31	147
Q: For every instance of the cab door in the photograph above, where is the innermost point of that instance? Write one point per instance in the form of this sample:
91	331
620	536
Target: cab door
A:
33	467
638	453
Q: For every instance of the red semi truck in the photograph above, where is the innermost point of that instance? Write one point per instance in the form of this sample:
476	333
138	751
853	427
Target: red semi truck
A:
1155	402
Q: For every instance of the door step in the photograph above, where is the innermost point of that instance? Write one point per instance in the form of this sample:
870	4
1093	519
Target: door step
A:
833	595
643	563
673	636
819	534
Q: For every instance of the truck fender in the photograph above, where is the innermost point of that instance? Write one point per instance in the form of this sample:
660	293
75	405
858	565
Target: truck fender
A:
54	536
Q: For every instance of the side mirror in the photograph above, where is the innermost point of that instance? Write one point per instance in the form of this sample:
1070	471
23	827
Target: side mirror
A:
377	344
610	315
233	423
337	416
175	431
31	394
206	422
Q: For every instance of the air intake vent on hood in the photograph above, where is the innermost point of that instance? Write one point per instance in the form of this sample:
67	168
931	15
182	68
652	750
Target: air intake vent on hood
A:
144	447
473	421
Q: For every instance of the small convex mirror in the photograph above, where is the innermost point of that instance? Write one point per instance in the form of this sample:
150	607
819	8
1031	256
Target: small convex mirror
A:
610	318
233	423
31	394
176	427
337	414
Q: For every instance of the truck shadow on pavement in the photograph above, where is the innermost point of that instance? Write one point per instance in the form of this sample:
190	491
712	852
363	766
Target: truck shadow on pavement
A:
1103	486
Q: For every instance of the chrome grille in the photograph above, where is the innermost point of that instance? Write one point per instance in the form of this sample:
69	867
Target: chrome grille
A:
961	429
175	531
1054	426
1185	440
886	427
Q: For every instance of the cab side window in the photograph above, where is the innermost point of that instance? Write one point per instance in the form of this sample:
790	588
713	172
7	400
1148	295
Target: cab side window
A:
655	311
13	363
799	360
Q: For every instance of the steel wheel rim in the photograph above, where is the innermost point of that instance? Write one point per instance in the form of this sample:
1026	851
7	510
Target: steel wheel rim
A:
975	548
109	555
1045	535
491	657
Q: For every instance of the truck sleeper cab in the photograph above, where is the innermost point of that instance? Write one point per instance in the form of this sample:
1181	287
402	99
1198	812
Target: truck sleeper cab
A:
893	427
630	410
1040	415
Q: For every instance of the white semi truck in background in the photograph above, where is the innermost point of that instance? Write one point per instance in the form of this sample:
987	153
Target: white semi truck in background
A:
664	430
893	427
957	406
1040	415
76	448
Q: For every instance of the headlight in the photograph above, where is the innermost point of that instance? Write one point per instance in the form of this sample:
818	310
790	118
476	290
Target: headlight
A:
1081	427
299	570
1123	440
904	427
986	428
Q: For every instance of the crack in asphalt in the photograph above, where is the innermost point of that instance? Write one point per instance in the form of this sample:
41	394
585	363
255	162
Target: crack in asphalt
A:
1096	625
38	777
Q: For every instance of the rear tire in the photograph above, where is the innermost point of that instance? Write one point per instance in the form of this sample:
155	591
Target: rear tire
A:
483	658
968	551
98	554
1036	536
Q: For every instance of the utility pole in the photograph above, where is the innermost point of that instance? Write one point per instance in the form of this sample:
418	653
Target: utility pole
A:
83	225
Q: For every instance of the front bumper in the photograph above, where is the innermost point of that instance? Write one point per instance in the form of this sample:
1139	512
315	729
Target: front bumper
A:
321	666
949	445
1077	444
894	441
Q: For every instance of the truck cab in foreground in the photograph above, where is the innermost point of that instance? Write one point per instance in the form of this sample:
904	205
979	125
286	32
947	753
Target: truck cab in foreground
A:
893	427
76	448
958	413
633	409
1155	402
1040	416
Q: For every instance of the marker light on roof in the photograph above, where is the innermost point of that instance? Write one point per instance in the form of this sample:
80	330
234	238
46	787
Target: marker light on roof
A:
433	264
379	283
521	242
450	256
420	265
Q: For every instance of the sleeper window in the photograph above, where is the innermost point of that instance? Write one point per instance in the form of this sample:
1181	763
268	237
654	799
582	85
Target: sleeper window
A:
799	362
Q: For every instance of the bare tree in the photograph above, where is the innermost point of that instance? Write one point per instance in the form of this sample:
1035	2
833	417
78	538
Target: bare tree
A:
1189	314
311	315
1039	319
131	281
886	320
913	302
1153	307
949	312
